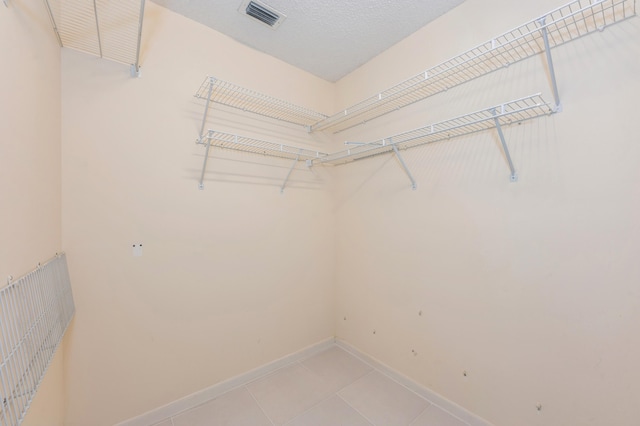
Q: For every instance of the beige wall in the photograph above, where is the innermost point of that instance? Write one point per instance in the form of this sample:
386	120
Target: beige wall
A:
231	277
30	164
530	287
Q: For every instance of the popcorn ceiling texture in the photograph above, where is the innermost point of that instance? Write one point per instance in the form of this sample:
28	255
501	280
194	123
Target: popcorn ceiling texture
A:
328	39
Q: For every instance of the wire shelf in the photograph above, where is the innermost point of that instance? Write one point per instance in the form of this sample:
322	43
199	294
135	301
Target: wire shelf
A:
35	311
234	96
564	24
511	112
110	29
256	146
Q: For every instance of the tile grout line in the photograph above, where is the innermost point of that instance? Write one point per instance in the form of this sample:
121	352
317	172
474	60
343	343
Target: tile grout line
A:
309	409
319	402
258	404
354	352
355	409
420	413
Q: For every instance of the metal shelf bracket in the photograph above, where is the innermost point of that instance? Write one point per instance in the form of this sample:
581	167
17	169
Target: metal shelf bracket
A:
206	108
414	185
552	73
206	157
514	175
289	174
135	68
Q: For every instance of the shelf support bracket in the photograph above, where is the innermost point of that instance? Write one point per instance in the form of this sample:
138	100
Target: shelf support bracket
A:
206	157
552	73
514	175
206	110
414	185
289	174
135	68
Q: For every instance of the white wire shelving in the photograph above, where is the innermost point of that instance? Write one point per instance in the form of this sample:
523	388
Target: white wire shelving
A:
559	26
110	29
555	28
222	92
35	311
515	111
255	146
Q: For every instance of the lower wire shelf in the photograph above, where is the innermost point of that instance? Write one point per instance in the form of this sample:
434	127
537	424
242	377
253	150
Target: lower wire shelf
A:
255	146
495	117
507	113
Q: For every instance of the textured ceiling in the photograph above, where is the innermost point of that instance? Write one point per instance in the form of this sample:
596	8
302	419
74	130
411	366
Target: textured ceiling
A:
328	38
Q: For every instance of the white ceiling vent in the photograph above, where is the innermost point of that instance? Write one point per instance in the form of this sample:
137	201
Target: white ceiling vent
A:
263	13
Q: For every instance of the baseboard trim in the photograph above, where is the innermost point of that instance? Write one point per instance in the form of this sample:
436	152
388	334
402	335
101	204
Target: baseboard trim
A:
191	401
431	396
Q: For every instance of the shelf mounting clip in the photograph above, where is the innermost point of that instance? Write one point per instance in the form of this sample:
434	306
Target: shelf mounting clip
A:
414	185
496	119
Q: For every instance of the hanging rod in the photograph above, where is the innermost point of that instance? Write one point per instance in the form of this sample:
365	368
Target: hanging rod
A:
566	23
231	95
508	113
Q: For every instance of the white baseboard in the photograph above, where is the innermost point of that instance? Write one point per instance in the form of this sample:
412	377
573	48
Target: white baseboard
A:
191	401
431	396
434	398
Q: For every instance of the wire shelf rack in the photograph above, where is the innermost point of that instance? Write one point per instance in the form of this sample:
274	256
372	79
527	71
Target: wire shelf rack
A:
566	23
231	95
110	29
256	146
35	311
511	112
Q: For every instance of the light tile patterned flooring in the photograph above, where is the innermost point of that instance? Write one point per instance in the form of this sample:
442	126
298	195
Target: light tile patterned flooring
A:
332	388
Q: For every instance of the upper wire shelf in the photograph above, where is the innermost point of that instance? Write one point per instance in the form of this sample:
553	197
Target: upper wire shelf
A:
256	146
108	29
231	95
563	24
511	112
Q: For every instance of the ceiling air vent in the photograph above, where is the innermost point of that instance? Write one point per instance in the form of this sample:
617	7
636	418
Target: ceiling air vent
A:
263	13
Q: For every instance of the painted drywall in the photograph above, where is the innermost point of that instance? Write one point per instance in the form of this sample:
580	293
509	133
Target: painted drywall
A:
231	277
30	164
531	288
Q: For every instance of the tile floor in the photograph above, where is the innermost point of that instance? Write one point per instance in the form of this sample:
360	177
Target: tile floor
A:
332	388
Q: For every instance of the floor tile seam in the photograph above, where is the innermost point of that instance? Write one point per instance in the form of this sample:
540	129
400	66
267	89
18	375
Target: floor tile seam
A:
374	368
356	354
258	404
307	368
356	410
412	422
310	408
441	409
371	369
